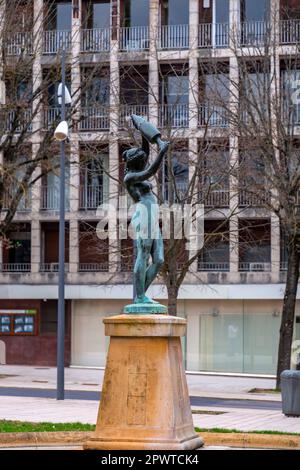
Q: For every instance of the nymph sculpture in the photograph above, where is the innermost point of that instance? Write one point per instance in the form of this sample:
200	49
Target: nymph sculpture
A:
145	220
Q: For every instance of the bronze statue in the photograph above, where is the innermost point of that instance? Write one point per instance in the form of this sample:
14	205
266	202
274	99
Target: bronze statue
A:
145	220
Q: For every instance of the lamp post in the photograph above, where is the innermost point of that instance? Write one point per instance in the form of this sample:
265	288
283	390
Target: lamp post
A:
61	134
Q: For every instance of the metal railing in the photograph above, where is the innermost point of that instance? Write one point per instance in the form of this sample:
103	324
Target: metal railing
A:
51	116
95	40
127	110
215	197
254	33
15	267
290	31
19	43
253	199
94	119
216	267
56	40
134	38
174	115
213	35
174	36
255	266
17	121
50	198
24	204
213	116
90	197
52	267
93	267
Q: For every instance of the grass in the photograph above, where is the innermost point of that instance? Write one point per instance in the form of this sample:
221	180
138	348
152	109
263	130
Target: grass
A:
264	390
23	426
235	431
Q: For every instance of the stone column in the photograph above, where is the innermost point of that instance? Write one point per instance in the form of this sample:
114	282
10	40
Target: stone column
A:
193	64
153	99
35	245
74	245
234	21
275	247
145	402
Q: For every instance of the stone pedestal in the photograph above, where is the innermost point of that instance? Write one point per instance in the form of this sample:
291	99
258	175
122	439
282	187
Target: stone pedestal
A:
145	402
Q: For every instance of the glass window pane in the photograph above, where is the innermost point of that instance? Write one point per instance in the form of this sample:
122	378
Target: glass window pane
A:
139	13
4	328
101	15
64	16
178	12
256	10
222	11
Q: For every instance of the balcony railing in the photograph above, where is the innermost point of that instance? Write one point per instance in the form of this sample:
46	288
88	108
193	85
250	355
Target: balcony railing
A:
50	198
213	116
56	40
180	191
51	116
215	197
254	33
90	197
174	115
174	37
24	204
135	38
93	267
215	267
95	40
19	43
52	267
213	35
17	121
253	199
255	267
94	119
15	267
290	31
127	110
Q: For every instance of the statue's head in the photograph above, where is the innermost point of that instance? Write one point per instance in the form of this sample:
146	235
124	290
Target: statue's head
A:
135	158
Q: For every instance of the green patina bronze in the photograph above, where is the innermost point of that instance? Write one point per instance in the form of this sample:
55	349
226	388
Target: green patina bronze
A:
145	220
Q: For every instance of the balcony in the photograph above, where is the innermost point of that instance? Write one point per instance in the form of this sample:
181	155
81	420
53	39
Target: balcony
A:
17	121
52	267
254	33
15	267
95	40
24	204
91	197
54	41
174	115
253	199
290	31
19	43
51	116
215	197
93	267
255	267
135	38
127	110
213	267
174	37
213	35
180	191
212	116
50	198
94	119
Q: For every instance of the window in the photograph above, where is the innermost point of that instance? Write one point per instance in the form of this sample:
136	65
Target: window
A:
16	323
175	12
255	10
136	13
101	15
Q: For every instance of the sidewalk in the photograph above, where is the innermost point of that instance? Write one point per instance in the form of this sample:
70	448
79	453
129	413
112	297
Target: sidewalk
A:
91	379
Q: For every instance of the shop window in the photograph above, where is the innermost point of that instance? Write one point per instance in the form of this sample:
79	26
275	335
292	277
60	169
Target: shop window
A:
20	323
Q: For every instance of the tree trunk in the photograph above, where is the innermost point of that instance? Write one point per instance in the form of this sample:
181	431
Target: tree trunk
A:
172	300
288	313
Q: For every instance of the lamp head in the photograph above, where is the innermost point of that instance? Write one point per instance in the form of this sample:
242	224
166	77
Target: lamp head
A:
62	131
68	99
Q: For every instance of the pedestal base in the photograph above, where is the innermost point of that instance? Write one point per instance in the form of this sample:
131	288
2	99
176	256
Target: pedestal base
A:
145	402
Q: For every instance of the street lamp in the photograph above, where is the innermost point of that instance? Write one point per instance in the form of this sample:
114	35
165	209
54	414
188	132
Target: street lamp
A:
61	134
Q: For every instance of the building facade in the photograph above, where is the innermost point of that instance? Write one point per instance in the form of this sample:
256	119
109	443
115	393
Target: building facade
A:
232	296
